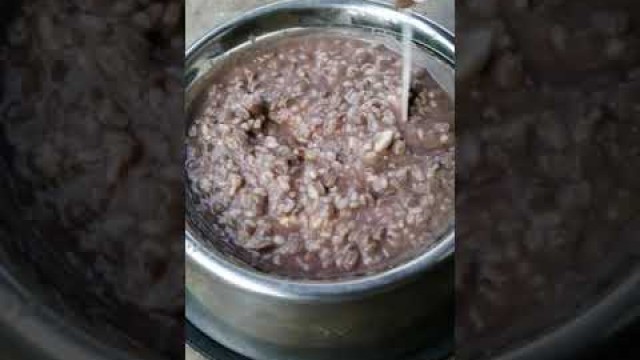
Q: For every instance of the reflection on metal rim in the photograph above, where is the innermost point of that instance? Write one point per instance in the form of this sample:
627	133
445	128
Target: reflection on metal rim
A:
593	325
37	332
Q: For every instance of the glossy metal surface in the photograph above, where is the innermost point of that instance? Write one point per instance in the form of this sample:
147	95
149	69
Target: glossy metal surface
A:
29	329
613	313
374	317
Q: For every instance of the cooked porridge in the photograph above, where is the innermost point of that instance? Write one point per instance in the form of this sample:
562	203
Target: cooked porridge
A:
301	153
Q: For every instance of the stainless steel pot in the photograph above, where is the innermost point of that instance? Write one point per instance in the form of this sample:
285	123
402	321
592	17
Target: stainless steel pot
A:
606	318
29	329
375	317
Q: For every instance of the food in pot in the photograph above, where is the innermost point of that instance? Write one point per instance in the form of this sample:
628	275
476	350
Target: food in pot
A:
300	152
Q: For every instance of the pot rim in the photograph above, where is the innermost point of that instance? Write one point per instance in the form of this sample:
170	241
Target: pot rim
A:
49	334
214	263
616	310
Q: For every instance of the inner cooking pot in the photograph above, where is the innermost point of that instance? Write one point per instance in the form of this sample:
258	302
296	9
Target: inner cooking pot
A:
400	310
